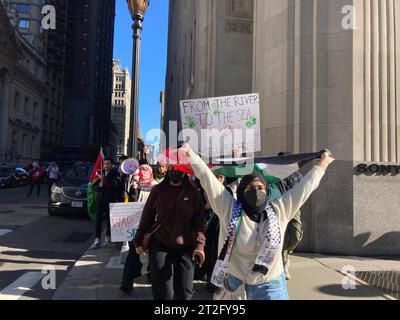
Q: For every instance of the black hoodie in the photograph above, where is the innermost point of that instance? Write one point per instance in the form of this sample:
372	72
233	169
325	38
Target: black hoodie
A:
253	213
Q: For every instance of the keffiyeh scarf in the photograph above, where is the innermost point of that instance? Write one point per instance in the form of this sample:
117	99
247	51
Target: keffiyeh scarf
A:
146	180
268	247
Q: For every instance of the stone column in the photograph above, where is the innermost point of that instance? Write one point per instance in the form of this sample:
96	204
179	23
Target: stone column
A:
5	82
392	82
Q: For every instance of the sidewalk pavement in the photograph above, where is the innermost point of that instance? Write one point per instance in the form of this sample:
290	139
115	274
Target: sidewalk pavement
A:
97	276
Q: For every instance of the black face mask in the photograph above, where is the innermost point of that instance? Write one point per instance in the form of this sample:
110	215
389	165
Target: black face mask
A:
176	177
255	198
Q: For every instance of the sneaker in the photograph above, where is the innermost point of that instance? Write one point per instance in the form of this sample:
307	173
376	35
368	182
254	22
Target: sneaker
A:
96	244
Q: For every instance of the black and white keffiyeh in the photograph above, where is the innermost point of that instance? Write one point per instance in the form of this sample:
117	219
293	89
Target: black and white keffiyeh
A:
268	247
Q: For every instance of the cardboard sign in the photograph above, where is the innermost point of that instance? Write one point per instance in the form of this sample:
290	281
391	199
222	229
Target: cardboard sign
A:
125	219
222	124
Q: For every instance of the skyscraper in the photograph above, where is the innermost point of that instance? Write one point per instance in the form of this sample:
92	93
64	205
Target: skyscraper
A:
88	75
55	46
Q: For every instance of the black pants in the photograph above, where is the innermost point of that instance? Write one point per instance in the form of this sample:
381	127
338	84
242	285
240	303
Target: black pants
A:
132	268
35	183
102	211
172	272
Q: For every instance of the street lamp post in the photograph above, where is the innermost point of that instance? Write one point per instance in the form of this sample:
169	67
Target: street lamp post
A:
137	8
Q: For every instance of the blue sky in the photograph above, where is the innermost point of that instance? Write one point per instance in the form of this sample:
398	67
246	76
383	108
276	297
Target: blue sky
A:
153	56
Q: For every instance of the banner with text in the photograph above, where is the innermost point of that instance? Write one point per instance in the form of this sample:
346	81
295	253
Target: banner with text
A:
217	126
125	219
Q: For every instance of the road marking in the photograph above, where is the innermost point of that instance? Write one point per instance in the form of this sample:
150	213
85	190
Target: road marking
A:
3	232
23	284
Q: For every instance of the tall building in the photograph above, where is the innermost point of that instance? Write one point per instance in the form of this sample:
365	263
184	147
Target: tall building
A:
55	48
22	88
88	76
121	106
328	77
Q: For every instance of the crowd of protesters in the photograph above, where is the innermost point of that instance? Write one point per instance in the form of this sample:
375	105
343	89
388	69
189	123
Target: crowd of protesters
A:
236	237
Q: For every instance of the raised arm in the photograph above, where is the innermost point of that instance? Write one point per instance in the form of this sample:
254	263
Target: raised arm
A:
221	200
294	199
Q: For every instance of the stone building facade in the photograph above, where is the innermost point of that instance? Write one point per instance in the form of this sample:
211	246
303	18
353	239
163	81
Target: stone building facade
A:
328	75
209	51
121	106
26	17
22	79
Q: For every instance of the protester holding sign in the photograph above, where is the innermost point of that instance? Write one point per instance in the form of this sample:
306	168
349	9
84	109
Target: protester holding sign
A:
174	214
252	230
142	184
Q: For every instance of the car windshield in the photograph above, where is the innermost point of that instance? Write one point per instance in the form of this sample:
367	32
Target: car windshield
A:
80	171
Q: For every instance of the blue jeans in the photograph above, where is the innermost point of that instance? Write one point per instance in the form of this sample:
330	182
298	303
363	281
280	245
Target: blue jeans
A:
273	290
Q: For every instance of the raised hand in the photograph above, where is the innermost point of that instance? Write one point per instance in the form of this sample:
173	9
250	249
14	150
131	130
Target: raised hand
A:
186	150
326	160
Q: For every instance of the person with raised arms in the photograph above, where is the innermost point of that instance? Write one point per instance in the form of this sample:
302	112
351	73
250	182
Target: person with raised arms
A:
252	230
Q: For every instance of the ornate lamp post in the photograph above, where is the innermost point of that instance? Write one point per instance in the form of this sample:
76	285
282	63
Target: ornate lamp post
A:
137	8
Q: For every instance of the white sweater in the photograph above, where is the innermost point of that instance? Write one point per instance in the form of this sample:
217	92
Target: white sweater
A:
245	249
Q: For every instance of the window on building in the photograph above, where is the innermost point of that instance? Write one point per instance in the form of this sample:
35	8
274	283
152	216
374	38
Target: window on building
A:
14	140
35	110
33	147
26	105
17	98
23	146
23	24
24	8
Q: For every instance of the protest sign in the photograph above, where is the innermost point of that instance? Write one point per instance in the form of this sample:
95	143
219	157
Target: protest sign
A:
125	219
221	125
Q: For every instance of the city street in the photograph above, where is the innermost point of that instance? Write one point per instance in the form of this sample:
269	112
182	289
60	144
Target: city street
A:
249	146
31	240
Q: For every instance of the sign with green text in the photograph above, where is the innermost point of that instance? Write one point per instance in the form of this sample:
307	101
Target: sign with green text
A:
218	126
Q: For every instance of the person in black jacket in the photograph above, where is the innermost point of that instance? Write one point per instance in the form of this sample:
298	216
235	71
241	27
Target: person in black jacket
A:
107	191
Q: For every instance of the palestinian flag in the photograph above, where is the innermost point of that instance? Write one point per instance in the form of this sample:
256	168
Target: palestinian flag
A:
91	194
273	168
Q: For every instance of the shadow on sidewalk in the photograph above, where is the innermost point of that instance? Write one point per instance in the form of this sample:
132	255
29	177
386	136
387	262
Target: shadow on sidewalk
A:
361	291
